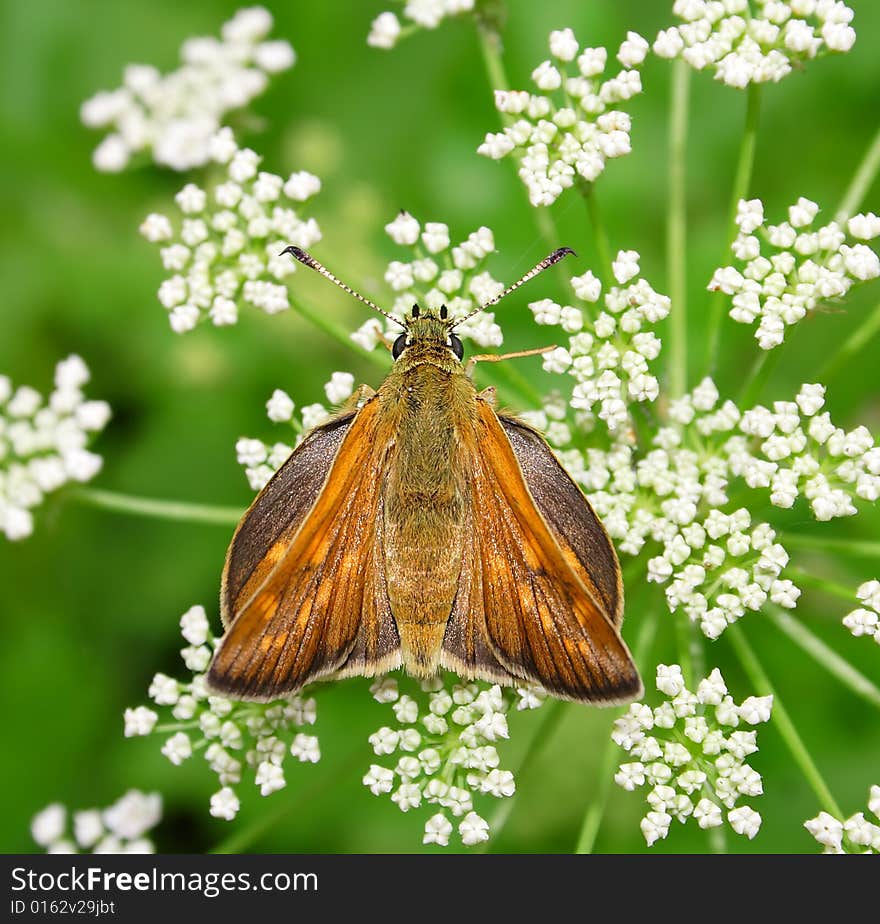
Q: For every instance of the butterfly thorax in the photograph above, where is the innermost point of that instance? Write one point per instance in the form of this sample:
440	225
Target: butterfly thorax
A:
430	400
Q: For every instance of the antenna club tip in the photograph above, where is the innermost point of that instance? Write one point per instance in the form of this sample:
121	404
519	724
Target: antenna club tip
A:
298	254
557	255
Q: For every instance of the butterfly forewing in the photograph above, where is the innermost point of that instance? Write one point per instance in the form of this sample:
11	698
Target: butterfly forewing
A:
323	600
267	528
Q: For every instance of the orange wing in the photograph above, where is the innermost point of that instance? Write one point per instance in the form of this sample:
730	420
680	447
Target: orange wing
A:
522	612
322	605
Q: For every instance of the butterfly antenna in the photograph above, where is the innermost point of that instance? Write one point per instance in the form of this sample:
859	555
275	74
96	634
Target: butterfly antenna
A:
310	261
554	258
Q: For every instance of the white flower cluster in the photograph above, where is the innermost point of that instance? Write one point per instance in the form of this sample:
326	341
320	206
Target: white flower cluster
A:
866	619
121	828
855	835
755	42
231	735
609	351
175	115
573	125
386	29
224	250
445	753
802	452
43	444
788	270
439	273
716	561
261	460
690	752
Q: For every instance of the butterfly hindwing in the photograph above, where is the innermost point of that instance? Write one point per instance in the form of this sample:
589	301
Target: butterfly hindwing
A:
570	517
523	613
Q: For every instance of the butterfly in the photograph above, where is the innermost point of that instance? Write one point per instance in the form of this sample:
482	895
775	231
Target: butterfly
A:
422	527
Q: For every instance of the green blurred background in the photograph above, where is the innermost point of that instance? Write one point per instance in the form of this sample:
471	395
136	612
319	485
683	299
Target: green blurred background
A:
90	603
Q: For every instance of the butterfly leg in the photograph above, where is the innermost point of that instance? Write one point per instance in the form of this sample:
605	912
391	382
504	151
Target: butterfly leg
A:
498	357
361	394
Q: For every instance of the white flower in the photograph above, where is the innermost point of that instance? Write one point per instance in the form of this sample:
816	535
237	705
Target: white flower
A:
230	254
139	721
555	143
225	804
340	387
49	825
696	756
177	748
437	830
780	284
175	115
473	829
744	42
133	815
43	443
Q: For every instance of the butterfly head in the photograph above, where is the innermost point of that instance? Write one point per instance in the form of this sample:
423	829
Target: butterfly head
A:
427	331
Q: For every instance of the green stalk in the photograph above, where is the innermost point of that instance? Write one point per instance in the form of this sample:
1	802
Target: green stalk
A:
866	548
600	234
676	228
554	712
178	511
743	177
857	341
239	841
781	719
596	809
805	578
337	332
861	182
825	657
757	378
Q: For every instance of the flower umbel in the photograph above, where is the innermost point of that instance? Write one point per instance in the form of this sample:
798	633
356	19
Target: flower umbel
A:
855	835
174	115
445	752
223	250
866	619
43	443
690	752
121	828
573	125
236	738
386	29
755	41
787	271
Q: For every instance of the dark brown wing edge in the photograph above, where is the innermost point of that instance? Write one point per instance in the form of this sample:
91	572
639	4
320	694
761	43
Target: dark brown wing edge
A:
279	510
568	514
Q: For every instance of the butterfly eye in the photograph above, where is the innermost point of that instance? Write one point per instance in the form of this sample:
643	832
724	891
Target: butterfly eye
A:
399	346
456	346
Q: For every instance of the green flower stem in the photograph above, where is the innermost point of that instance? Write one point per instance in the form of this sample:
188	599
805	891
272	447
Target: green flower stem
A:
824	656
683	633
335	330
781	719
843	356
861	182
866	548
596	808
757	378
554	712
600	235
241	840
676	227
807	579
741	183
179	511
